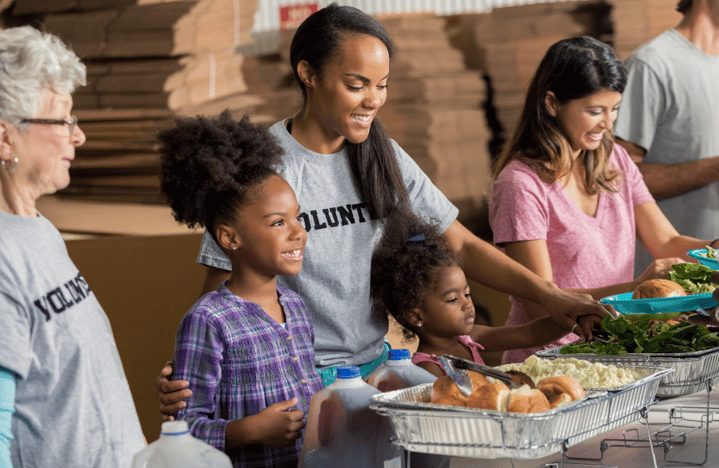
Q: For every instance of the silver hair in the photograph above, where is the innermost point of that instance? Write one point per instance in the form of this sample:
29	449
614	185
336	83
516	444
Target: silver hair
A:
31	61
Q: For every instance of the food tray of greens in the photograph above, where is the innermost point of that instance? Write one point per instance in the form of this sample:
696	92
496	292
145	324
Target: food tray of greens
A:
694	278
420	426
707	257
666	340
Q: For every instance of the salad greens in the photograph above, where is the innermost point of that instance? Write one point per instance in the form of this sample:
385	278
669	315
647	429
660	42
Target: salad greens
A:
647	333
695	278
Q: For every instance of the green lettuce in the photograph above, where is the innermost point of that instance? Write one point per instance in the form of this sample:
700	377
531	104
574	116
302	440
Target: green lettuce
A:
647	333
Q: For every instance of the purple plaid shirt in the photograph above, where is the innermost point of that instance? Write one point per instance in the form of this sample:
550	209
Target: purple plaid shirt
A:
239	361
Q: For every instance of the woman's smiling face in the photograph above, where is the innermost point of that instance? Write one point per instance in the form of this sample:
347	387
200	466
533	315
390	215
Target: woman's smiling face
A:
351	88
585	121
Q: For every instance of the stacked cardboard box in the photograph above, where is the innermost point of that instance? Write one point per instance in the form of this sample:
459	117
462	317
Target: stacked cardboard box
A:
147	61
508	44
433	110
637	21
168	54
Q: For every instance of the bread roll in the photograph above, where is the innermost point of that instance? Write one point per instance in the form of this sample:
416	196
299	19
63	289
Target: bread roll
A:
658	288
560	390
527	400
492	396
445	392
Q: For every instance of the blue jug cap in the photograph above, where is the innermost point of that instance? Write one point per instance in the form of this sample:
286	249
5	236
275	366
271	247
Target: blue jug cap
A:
348	372
398	354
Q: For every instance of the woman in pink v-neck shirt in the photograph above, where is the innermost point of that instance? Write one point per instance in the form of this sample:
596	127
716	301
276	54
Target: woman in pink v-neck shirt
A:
566	202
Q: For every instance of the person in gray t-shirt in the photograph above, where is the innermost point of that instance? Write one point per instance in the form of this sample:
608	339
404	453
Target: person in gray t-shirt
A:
669	122
348	176
61	379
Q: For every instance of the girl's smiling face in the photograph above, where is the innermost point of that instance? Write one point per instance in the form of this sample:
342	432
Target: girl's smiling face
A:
447	310
347	93
585	121
272	237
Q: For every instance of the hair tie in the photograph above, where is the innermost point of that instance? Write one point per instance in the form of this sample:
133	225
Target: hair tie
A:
421	241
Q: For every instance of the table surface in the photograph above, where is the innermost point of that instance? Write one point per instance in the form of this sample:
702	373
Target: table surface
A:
690	415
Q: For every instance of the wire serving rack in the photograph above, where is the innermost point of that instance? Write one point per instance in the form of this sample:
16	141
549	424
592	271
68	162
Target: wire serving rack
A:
420	426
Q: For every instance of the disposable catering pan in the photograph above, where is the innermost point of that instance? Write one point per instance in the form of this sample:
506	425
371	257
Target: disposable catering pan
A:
420	426
691	373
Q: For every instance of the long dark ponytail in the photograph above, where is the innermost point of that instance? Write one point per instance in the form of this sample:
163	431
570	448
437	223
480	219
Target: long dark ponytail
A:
373	161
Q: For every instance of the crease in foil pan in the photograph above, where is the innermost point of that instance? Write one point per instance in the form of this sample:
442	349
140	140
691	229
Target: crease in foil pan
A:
454	431
692	371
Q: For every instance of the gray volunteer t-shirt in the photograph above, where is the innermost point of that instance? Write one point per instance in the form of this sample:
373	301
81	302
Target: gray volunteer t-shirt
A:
335	276
73	404
670	107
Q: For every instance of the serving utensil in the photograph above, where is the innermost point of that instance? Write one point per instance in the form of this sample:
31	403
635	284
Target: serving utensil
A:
504	377
460	378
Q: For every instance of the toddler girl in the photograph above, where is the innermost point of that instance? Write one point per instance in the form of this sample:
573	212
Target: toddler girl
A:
418	280
246	349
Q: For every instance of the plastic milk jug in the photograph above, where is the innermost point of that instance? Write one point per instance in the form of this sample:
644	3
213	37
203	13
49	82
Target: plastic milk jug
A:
176	448
397	373
343	432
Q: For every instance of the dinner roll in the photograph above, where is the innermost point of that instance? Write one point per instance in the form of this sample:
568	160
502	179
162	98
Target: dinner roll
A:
560	390
658	288
492	396
527	400
446	392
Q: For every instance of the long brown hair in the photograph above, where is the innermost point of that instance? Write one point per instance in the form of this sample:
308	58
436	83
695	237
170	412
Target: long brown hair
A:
571	69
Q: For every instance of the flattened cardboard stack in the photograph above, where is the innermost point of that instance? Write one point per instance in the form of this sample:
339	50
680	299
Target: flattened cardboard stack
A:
508	45
147	61
433	110
638	21
157	54
119	161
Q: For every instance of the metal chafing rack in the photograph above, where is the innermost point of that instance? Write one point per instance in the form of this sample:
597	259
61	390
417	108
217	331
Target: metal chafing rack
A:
693	372
421	426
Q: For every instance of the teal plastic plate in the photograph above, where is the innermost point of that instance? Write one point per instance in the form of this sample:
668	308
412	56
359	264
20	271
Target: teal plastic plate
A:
624	303
699	255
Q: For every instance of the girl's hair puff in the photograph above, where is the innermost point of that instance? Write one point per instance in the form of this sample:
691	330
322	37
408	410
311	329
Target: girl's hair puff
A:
209	165
404	267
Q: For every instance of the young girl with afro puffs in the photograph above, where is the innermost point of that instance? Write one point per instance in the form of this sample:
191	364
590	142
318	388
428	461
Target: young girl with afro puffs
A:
420	283
246	349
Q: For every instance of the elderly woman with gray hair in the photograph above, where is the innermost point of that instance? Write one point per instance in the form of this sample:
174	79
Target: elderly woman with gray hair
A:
64	398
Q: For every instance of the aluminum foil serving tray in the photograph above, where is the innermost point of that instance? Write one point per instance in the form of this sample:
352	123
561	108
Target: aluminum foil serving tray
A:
691	373
420	426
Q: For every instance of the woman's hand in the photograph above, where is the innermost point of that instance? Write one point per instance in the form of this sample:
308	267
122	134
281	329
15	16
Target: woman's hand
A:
659	269
568	307
585	325
172	393
275	426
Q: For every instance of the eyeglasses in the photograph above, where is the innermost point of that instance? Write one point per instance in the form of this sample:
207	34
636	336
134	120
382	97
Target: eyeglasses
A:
71	124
